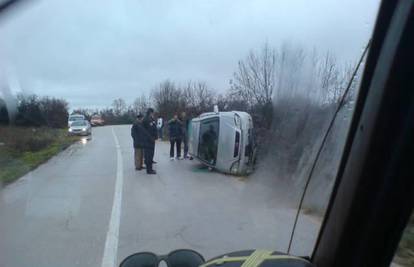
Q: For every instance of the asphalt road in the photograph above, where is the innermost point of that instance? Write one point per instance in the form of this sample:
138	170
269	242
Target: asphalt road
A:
89	207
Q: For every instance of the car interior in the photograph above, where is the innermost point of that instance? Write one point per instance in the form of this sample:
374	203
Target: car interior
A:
373	194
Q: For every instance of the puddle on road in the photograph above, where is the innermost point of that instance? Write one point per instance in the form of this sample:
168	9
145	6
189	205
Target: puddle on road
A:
82	142
85	140
200	168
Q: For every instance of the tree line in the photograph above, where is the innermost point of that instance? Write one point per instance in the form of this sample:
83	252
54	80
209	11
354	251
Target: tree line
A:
266	79
32	110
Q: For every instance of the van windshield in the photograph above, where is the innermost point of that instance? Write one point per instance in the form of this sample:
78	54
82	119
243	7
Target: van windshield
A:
76	118
79	123
207	149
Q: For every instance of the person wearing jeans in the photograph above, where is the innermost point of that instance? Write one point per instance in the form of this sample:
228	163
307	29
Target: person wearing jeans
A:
176	134
150	134
185	122
137	133
175	142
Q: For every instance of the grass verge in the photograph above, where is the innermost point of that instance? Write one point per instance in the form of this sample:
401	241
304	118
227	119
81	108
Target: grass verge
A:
23	149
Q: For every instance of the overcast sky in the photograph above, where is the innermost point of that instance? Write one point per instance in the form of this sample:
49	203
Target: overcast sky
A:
92	51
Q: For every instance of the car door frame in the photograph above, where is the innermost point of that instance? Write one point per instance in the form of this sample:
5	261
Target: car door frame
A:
373	194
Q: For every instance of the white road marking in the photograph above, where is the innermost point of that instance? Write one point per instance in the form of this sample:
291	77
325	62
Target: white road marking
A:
111	244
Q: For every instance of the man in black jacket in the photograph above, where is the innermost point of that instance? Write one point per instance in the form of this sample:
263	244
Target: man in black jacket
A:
138	135
150	127
176	135
185	130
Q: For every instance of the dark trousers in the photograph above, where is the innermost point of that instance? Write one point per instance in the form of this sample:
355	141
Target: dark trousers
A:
177	142
186	145
149	157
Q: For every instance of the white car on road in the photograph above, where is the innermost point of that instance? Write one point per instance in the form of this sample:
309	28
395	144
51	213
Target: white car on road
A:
80	127
75	117
224	141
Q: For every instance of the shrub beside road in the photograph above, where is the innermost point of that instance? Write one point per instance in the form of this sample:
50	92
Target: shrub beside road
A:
24	148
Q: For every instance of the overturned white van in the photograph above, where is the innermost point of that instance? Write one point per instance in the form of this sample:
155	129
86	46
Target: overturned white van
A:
224	141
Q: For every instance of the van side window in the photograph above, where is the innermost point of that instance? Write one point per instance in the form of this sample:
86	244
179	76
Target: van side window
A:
249	147
236	145
207	149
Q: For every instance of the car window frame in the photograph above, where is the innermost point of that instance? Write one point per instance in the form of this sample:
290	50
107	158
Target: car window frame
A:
372	196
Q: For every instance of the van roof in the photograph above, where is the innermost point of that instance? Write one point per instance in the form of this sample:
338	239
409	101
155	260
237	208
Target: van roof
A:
221	114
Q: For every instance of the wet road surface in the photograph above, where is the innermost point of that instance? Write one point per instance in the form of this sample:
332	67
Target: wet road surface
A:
89	207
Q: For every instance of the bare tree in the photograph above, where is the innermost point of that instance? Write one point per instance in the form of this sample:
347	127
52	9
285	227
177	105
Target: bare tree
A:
255	82
327	75
290	72
254	79
344	78
119	106
168	99
140	104
198	97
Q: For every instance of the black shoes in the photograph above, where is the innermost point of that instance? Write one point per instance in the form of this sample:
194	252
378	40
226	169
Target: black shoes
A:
151	172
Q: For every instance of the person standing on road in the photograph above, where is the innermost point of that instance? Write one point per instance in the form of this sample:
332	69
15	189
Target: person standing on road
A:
137	134
175	132
160	126
209	145
150	127
185	130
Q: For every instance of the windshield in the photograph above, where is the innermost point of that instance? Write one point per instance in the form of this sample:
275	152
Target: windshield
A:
143	176
79	123
76	118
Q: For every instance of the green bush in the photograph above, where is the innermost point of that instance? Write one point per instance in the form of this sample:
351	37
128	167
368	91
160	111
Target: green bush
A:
23	148
18	140
36	111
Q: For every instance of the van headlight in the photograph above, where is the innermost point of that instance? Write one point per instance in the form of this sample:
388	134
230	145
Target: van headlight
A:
84	129
235	167
70	129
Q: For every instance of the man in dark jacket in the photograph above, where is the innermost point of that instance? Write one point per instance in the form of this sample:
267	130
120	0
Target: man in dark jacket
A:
150	127
209	145
176	134
137	134
185	126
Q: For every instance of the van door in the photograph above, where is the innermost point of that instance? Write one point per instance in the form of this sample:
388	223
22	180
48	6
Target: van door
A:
194	133
208	141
